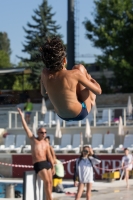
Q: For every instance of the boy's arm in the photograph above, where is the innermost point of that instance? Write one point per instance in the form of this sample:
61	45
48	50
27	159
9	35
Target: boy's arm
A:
93	80
26	128
53	154
91	84
49	157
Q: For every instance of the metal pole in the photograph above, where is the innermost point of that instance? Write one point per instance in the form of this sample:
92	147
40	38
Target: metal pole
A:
70	36
79	123
15	120
94	118
64	123
124	116
10	120
50	119
81	141
109	117
9	124
36	119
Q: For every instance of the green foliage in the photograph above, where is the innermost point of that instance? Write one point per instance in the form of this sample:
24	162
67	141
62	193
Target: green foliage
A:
112	31
44	27
4	59
21	83
104	82
6	81
5	43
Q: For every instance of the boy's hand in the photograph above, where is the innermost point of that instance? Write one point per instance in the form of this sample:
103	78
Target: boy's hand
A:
89	77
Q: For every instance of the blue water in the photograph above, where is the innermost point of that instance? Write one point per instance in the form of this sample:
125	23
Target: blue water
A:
18	187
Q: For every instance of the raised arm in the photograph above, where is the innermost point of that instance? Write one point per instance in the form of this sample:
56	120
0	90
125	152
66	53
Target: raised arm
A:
26	128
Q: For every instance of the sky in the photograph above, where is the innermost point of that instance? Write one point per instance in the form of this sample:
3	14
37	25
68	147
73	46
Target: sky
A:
15	14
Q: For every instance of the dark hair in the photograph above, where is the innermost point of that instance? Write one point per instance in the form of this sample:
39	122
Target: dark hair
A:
81	155
47	137
52	53
126	149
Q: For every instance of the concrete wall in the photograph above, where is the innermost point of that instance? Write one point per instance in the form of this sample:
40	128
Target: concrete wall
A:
6	171
106	100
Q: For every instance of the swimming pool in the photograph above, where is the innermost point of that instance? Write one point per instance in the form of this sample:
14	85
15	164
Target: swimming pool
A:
18	190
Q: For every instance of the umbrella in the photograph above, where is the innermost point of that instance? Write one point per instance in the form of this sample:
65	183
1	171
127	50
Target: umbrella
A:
129	106
94	109
43	107
81	141
120	127
58	133
34	127
87	130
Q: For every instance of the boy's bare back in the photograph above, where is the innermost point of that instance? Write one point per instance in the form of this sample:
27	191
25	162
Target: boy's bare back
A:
61	89
66	89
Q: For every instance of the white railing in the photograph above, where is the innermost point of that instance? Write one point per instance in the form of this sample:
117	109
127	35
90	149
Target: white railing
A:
99	118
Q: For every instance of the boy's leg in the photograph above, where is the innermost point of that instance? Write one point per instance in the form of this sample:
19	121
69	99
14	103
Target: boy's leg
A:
83	94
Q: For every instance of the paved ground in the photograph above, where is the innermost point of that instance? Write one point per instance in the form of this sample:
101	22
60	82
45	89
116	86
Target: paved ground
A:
106	191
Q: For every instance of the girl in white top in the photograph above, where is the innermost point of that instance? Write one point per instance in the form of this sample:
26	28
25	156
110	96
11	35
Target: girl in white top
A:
127	164
83	172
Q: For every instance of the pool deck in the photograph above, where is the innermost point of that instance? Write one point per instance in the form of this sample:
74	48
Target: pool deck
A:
104	190
11	180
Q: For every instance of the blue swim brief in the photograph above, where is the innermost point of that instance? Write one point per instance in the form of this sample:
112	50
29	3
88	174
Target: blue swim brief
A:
81	115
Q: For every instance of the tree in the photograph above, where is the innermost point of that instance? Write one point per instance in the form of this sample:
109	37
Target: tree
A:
7	81
112	31
5	43
5	51
4	59
36	34
21	83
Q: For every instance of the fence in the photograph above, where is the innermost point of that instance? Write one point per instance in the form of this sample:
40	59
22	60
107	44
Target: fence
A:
99	117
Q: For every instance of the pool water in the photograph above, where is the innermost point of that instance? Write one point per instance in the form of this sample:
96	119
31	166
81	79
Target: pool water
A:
18	190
